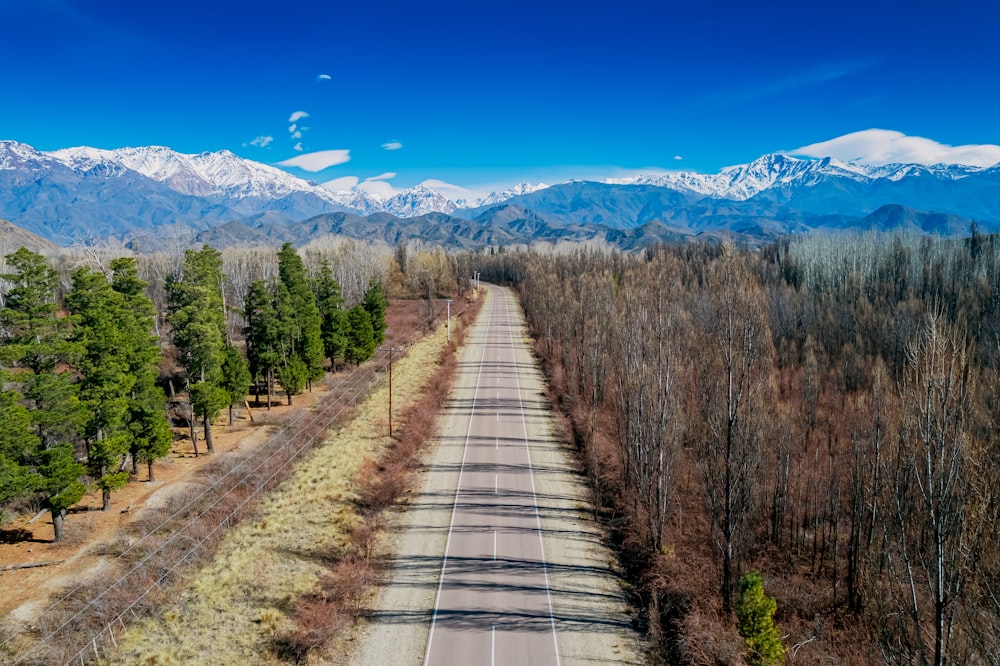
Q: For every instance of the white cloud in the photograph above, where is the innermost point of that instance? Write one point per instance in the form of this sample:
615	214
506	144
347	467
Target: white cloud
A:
388	175
379	189
319	160
298	147
262	141
392	145
297	116
323	77
342	184
678	157
450	190
877	147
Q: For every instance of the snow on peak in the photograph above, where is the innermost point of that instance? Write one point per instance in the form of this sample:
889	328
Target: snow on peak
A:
499	197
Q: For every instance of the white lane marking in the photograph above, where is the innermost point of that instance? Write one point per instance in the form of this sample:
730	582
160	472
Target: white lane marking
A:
531	475
498	443
496	484
494	545
454	505
493	645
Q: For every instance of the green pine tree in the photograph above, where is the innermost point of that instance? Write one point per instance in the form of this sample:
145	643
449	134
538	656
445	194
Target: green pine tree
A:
147	420
35	340
18	444
35	337
330	301
361	336
305	323
262	335
106	378
198	322
235	377
60	483
292	376
376	303
755	612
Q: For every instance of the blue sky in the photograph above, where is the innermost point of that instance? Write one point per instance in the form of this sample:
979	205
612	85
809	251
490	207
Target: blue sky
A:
488	93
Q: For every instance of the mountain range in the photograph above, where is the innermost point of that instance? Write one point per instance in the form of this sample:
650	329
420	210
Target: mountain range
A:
148	193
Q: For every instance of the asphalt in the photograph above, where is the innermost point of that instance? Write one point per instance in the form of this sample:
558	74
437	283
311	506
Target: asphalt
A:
497	560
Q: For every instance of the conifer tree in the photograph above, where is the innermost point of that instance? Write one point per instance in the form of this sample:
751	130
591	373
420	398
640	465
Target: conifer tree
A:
262	337
235	377
755	611
148	426
330	301
106	380
199	330
305	323
35	340
361	336
376	303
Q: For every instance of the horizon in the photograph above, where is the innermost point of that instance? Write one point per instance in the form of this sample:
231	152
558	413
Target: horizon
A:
391	99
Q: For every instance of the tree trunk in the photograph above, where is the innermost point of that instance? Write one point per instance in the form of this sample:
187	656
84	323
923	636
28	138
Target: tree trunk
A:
208	434
230	415
289	396
193	432
268	390
135	465
149	468
105	500
58	522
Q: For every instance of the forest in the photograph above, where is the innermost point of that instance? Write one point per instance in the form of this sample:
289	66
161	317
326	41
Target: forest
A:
819	416
102	356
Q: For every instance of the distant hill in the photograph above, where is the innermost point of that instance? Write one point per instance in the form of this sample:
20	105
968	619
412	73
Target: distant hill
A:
154	197
12	237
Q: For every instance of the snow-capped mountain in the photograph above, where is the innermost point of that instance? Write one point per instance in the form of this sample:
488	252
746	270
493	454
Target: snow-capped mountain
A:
494	198
211	173
744	181
88	192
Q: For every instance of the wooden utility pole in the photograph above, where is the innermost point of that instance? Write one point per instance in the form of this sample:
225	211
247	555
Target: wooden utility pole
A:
390	350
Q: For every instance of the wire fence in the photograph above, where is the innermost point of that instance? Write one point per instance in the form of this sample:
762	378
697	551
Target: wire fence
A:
85	622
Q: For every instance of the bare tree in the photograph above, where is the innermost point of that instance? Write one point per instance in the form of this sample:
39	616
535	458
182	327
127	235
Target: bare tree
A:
736	388
650	422
936	515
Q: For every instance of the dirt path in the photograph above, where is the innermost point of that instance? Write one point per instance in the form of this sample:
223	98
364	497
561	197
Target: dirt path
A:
590	618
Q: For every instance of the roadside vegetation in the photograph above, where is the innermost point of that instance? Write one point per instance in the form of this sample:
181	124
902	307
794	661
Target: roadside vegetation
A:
106	370
823	412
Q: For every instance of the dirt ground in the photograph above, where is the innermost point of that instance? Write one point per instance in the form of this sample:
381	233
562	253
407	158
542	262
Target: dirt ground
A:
28	591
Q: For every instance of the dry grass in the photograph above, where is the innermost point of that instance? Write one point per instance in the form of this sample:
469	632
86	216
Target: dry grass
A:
233	608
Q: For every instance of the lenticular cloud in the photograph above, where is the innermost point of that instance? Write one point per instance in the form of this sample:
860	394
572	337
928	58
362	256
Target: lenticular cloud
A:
877	147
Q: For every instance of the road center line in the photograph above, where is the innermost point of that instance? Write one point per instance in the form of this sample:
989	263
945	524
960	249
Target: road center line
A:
458	489
494	545
493	645
531	475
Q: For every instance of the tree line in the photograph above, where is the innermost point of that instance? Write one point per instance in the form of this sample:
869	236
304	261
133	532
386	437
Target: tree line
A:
823	411
82	394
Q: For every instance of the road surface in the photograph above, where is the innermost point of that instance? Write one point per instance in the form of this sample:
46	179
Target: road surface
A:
497	559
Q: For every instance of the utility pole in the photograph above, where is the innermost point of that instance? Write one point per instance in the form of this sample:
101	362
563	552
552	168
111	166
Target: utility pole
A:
390	350
448	301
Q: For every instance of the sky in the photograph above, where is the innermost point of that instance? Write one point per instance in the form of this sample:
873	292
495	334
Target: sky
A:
483	94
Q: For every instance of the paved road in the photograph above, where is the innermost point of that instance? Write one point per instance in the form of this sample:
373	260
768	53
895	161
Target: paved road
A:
494	600
497	559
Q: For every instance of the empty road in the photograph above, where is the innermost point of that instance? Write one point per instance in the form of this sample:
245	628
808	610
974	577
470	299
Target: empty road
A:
497	559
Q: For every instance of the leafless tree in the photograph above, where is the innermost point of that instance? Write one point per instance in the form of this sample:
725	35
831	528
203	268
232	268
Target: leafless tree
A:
736	389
